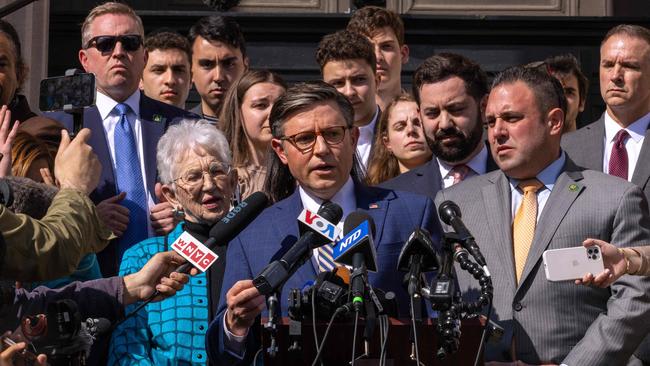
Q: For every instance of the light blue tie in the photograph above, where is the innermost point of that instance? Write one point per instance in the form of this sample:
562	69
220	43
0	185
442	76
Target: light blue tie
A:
129	180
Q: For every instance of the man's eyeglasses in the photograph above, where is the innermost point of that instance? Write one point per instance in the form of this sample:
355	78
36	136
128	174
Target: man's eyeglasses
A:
305	141
193	177
130	42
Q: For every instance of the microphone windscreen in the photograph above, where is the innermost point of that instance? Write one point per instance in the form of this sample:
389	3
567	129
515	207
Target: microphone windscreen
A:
331	212
238	218
29	197
355	219
448	210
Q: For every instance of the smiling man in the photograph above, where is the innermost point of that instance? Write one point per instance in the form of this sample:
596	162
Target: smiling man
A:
126	126
314	144
616	143
385	30
540	200
347	62
166	76
218	59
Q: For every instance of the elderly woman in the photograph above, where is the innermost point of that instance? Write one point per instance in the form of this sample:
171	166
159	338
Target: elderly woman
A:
194	167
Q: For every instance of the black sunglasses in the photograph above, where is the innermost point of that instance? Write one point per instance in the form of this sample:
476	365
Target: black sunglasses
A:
130	42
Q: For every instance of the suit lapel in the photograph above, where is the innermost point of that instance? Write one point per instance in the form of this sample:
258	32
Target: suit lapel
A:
153	127
496	197
370	201
642	169
99	142
565	191
594	146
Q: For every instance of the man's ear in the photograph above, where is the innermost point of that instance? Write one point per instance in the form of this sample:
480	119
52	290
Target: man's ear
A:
581	106
404	51
83	59
276	145
245	61
555	119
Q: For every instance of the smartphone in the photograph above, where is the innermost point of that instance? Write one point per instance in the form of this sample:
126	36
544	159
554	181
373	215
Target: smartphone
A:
572	263
64	93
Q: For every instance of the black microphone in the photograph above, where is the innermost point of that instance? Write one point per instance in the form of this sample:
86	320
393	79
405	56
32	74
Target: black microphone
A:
450	214
233	223
357	249
417	256
278	271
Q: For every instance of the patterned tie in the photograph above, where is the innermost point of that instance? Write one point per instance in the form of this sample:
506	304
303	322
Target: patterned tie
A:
523	227
326	255
618	157
459	172
129	180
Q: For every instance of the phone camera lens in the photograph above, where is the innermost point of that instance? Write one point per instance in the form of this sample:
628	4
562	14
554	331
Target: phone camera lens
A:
594	257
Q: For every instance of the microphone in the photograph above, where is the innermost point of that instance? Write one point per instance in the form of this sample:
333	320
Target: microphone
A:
320	231
357	249
23	195
233	223
418	255
450	214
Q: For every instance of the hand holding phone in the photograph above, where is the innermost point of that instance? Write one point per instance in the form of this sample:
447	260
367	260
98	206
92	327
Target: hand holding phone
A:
572	263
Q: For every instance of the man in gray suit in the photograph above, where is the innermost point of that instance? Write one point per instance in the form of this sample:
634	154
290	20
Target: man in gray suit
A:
616	142
549	322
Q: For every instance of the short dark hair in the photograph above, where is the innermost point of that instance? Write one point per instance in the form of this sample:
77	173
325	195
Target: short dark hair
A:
445	65
547	89
168	40
21	67
631	30
345	45
567	64
279	183
369	19
219	28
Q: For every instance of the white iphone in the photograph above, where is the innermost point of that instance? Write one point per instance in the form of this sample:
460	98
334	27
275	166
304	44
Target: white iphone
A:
572	263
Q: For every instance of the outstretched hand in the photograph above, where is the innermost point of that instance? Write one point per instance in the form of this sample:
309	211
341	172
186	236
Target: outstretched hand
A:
613	260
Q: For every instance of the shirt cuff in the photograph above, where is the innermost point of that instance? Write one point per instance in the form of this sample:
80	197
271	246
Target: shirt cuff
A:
233	344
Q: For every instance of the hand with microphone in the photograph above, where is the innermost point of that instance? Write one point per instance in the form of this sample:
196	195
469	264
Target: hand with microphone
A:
357	249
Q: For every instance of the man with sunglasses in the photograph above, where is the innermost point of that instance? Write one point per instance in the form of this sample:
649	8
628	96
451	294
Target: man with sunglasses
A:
314	141
126	127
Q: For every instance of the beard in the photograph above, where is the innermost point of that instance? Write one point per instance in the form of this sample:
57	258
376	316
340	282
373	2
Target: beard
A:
461	148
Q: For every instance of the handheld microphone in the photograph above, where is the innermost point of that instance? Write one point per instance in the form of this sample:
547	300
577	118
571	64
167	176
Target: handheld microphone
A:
450	214
321	231
418	255
357	249
233	223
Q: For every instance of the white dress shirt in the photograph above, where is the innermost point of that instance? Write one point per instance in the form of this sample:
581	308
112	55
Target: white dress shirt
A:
366	137
110	117
477	165
633	144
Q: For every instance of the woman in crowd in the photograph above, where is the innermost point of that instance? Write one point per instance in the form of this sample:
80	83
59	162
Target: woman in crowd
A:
399	142
245	122
194	167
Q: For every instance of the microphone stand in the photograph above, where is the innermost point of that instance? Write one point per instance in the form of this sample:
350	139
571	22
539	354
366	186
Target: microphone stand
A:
271	324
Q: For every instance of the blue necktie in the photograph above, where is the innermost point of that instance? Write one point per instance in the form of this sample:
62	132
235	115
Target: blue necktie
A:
129	180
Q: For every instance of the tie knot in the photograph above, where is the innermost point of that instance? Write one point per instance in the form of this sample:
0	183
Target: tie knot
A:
530	185
122	109
620	137
459	172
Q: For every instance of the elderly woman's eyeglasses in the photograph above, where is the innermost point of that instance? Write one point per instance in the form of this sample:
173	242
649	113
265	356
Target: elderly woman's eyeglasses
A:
193	178
305	141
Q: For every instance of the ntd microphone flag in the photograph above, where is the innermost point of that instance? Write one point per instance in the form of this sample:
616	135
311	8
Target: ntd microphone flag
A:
194	251
319	225
357	240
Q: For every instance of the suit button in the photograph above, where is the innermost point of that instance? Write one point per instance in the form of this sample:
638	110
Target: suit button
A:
518	306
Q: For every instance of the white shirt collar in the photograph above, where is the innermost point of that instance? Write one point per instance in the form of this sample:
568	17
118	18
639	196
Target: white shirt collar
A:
478	163
369	129
344	197
636	130
106	104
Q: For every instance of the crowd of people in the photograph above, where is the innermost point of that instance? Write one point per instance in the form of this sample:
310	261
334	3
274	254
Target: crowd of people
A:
144	170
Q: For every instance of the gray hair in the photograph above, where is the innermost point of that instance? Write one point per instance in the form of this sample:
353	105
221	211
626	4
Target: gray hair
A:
108	8
187	135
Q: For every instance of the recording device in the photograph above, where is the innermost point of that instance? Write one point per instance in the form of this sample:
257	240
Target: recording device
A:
61	334
321	230
328	293
70	93
572	263
417	256
233	223
357	249
62	93
450	214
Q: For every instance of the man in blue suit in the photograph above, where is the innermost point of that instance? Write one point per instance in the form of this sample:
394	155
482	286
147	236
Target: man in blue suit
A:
451	91
126	127
314	142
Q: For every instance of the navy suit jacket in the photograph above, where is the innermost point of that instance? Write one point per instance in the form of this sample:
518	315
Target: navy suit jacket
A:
270	235
155	117
426	179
